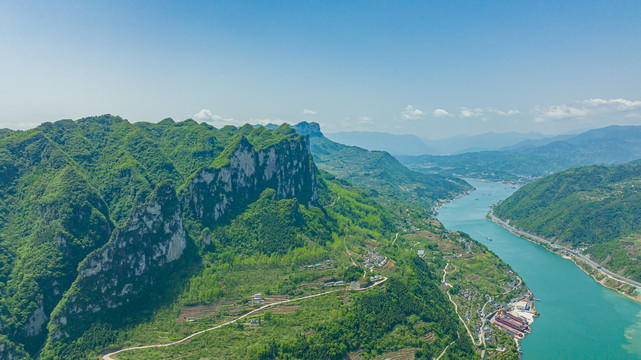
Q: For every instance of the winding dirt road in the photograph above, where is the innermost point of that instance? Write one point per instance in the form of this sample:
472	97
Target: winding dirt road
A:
181	341
456	306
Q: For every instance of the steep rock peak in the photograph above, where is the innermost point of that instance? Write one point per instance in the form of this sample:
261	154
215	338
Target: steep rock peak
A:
285	167
308	128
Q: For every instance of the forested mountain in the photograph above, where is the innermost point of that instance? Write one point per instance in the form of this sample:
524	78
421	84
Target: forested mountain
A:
115	234
596	207
609	145
379	171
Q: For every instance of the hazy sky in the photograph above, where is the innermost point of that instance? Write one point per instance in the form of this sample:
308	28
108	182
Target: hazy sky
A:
430	68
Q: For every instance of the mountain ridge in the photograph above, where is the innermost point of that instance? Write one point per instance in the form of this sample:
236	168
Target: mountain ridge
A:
609	145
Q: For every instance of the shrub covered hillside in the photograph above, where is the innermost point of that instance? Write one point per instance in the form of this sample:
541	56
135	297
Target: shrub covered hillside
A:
592	207
115	234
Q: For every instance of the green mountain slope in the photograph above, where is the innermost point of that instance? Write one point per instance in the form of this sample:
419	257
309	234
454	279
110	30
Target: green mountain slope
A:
380	171
610	145
112	233
70	186
591	207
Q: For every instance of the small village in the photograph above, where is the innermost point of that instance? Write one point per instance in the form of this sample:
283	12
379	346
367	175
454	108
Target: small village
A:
512	317
493	303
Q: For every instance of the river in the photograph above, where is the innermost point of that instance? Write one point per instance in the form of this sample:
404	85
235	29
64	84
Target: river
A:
580	319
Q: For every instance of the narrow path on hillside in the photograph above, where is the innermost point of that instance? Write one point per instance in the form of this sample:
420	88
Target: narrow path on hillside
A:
181	341
447	347
456	306
334	202
515	286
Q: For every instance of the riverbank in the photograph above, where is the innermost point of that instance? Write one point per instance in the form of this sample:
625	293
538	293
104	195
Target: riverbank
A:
603	276
580	319
442	203
605	279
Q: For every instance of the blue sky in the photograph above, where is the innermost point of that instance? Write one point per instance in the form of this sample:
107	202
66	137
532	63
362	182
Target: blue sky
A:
431	68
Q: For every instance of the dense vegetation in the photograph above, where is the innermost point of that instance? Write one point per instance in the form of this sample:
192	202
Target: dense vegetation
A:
66	186
610	145
380	173
596	207
70	188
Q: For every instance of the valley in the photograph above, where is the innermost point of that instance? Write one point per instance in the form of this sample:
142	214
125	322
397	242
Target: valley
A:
244	249
570	302
320	180
226	242
589	212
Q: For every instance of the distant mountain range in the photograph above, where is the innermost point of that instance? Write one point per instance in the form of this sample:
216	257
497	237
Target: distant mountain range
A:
483	142
413	145
379	171
533	159
393	144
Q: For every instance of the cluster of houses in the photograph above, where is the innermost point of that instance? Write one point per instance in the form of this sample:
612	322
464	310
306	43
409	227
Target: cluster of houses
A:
353	285
469	245
256	299
374	258
319	265
469	294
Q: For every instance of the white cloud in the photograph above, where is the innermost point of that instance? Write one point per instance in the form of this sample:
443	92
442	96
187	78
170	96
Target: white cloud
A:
616	104
470	113
482	112
207	116
412	113
586	108
309	112
267	121
364	120
501	112
557	112
441	113
219	121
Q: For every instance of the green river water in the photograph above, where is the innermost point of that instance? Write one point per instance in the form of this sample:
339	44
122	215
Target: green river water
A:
580	319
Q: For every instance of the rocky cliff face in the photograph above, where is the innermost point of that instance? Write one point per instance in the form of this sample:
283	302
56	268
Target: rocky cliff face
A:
140	252
285	167
126	266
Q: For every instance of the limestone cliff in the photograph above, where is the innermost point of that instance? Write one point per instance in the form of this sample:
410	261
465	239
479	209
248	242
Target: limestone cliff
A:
285	167
127	265
139	254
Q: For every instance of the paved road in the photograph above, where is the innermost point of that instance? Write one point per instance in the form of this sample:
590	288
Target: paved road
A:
109	356
596	266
